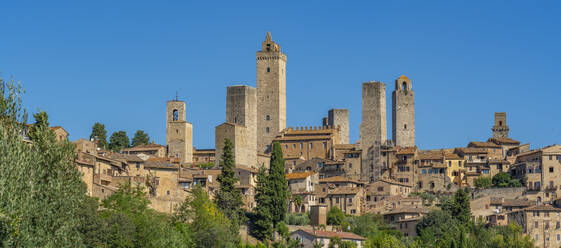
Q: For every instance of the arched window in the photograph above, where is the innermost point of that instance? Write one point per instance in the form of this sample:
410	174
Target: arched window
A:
267	130
175	114
500	123
268	117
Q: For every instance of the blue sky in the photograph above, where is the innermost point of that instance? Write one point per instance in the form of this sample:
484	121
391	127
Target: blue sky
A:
117	62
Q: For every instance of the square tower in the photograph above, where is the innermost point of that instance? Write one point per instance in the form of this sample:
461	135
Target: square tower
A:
500	129
339	118
403	113
179	132
271	93
241	111
373	129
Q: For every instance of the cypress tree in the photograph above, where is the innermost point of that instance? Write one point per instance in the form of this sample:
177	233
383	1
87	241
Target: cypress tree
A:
263	224
277	185
229	198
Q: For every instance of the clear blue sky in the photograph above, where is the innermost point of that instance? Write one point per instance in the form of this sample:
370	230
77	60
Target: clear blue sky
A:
117	62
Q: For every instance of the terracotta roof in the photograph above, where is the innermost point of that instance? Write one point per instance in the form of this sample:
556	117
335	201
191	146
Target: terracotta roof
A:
471	150
126	157
337	179
542	208
344	191
503	141
329	234
147	147
407	210
406	150
391	181
409	219
299	175
433	155
160	165
483	144
516	203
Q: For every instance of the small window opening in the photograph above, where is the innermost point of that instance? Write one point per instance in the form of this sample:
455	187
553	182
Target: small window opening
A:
268	117
175	115
404	86
268	69
405	126
268	47
267	130
500	123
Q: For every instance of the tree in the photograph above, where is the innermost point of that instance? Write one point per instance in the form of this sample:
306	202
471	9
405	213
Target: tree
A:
263	221
100	135
41	122
483	182
229	198
41	191
501	179
140	138
278	185
118	141
297	199
335	216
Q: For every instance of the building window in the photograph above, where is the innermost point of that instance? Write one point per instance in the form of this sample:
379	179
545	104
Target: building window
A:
267	130
353	211
460	163
268	117
449	163
137	165
405	126
535	224
268	68
311	145
324	145
536	237
336	199
380	189
167	192
175	115
301	145
551	169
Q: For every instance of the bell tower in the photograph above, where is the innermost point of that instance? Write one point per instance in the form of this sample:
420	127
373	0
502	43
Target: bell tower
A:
271	93
179	132
403	113
500	129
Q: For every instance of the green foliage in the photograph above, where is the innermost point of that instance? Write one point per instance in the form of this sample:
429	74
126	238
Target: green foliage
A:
41	190
483	182
297	201
335	216
206	166
100	134
337	242
203	222
299	219
278	185
229	198
118	141
140	138
501	180
41	122
263	221
515	183
426	198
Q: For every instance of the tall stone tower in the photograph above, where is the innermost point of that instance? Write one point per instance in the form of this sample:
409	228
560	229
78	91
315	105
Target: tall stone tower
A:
339	118
403	113
500	129
271	93
179	132
241	125
373	129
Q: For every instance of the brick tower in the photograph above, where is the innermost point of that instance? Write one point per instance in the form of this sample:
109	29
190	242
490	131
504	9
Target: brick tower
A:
179	132
271	93
373	128
500	129
403	113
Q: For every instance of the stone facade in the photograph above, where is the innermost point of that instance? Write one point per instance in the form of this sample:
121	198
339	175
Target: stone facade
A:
271	93
237	134
500	129
241	109
373	129
179	132
308	142
339	118
403	113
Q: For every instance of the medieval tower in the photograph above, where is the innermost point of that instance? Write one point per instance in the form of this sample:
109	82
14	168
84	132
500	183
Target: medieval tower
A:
339	118
179	132
403	113
373	129
500	129
240	126
271	93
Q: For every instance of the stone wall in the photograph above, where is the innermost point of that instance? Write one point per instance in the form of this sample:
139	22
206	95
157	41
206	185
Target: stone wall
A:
244	156
373	129
241	109
403	113
339	118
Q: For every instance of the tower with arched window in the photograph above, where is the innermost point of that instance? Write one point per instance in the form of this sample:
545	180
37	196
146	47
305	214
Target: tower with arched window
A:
403	113
179	132
271	92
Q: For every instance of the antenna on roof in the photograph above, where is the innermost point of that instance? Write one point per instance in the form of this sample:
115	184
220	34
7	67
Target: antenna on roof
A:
176	96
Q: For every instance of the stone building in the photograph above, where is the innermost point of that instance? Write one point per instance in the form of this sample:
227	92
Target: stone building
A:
271	93
341	192
403	113
541	223
373	129
405	219
302	184
60	133
308	142
309	238
500	129
339	118
179	132
240	126
154	150
204	156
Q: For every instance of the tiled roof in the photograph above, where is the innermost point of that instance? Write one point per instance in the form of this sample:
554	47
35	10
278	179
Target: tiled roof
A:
471	150
391	181
147	147
407	210
299	175
483	144
502	141
329	234
337	179
160	165
406	150
432	155
542	208
516	203
344	191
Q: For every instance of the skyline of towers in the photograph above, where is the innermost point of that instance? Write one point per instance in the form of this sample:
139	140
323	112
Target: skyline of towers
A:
403	113
179	132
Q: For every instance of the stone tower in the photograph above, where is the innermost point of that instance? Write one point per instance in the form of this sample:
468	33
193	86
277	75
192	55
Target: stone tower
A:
500	129
179	132
373	129
339	118
271	93
241	115
403	113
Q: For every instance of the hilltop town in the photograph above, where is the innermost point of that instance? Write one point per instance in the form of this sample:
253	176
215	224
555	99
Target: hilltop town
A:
509	182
